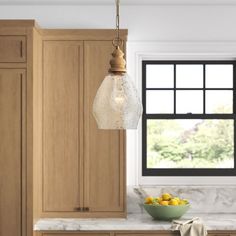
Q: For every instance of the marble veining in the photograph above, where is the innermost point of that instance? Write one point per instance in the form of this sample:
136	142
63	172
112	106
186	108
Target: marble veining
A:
203	199
134	222
216	205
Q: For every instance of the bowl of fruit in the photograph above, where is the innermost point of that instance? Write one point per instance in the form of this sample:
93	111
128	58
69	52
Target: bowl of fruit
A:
166	207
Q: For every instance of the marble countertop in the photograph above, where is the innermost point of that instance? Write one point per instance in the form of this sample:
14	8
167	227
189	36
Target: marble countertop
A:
133	222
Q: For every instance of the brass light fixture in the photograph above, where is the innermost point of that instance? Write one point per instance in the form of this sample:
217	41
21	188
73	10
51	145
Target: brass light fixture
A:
117	104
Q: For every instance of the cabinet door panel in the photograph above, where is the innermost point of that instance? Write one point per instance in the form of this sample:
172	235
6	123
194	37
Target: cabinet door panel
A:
224	233
62	68
75	234
104	149
11	120
12	49
167	233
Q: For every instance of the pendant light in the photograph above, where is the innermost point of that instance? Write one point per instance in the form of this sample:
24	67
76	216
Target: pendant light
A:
117	104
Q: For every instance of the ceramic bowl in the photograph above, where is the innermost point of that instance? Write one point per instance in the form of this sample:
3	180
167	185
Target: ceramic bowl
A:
159	212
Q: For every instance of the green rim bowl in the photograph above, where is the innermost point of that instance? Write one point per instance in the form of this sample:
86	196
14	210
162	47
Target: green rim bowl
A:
159	212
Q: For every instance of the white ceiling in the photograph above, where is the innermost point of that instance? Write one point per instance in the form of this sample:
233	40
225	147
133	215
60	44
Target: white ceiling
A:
122	2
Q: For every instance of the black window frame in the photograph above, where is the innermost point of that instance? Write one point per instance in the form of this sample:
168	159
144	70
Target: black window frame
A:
185	171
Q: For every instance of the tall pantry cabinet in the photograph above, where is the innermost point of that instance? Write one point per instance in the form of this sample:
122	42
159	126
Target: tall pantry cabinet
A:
16	126
81	170
54	161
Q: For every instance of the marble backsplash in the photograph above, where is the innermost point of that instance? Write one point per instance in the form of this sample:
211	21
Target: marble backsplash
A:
203	199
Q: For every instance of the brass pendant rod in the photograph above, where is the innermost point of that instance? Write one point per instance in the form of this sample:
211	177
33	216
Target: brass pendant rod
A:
117	62
118	19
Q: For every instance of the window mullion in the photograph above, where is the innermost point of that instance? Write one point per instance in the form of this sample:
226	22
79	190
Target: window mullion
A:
234	88
174	88
204	88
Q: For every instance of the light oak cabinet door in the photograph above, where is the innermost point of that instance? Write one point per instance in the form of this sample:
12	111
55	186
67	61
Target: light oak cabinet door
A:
12	48
12	119
150	233
75	234
104	157
82	166
221	233
62	126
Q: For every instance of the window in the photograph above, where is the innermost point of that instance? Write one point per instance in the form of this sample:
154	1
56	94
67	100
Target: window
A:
188	124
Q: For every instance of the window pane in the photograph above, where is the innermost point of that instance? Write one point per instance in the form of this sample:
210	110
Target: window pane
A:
189	76
160	76
189	101
219	101
159	101
219	76
183	143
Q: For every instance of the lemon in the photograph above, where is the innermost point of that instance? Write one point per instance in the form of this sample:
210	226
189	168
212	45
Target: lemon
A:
164	203
156	203
182	202
186	201
149	200
166	196
173	202
177	199
158	199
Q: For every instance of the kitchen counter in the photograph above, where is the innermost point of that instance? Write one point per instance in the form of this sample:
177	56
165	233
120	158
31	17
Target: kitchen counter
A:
133	222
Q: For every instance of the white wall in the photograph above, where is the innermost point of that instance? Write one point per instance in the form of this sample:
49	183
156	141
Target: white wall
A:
166	31
152	22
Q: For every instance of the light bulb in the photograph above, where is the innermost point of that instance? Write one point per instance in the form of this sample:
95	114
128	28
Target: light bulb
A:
117	104
118	99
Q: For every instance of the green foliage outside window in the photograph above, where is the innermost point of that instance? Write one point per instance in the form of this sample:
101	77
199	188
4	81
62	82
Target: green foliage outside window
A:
207	144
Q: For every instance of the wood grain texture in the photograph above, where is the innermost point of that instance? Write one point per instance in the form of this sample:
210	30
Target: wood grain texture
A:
167	233
18	23
132	233
16	41
82	34
28	166
37	124
171	233
12	48
13	31
62	65
80	166
76	234
104	155
13	65
12	150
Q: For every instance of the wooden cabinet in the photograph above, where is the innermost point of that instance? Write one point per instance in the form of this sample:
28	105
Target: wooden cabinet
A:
62	125
83	168
12	149
104	155
18	69
12	48
54	162
174	233
150	233
222	233
76	234
131	233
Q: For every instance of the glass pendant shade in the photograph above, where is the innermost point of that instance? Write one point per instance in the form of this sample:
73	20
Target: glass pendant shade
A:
117	104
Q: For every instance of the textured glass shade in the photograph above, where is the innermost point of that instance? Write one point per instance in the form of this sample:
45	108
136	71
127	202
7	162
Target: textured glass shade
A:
117	104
